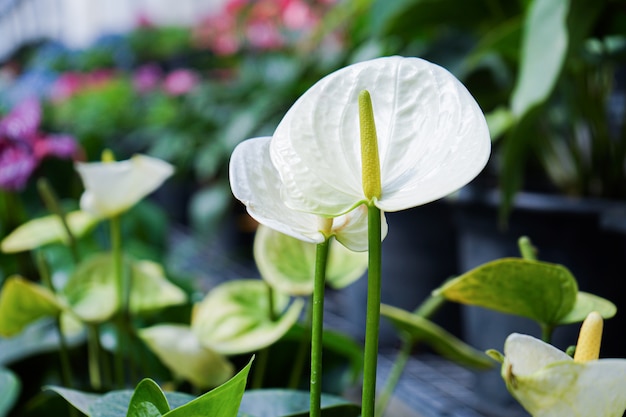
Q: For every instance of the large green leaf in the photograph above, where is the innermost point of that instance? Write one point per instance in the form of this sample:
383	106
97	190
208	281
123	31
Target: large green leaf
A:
235	317
47	229
179	349
148	400
444	343
585	304
150	289
22	302
288	264
541	291
9	391
282	402
544	47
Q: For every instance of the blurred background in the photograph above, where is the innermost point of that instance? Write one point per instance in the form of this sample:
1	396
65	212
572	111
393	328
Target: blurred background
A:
186	81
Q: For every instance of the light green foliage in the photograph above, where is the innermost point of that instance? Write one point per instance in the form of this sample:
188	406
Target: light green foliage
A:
9	390
235	317
288	264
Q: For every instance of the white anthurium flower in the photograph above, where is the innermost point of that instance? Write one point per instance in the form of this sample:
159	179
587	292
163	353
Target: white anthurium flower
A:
114	187
432	138
549	383
255	182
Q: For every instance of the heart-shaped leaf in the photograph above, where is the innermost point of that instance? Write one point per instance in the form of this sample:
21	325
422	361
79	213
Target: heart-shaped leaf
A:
288	264
150	289
444	343
148	400
179	349
585	304
22	302
541	291
235	317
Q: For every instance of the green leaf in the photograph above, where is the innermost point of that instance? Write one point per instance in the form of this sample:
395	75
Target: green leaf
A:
22	302
223	401
444	343
150	289
45	230
9	391
283	402
235	317
82	401
288	264
541	291
544	46
91	290
179	349
499	121
585	304
148	400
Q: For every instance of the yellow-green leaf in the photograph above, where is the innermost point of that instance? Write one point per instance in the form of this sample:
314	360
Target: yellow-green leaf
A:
150	288
585	304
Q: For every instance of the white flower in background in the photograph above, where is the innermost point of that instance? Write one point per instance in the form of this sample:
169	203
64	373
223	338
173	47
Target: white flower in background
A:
255	182
114	187
549	383
432	138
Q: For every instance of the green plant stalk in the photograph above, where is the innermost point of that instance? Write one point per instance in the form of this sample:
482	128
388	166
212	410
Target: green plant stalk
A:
93	346
122	294
317	327
52	204
372	319
66	369
263	355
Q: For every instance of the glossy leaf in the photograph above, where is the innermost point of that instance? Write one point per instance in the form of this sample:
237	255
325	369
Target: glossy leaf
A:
22	302
179	349
425	331
10	387
235	317
148	400
151	290
283	402
544	47
45	230
585	304
541	291
288	264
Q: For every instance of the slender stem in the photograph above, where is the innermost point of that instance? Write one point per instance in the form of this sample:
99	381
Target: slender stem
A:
52	204
317	327
66	370
546	332
93	346
122	294
394	376
372	320
259	368
305	342
526	249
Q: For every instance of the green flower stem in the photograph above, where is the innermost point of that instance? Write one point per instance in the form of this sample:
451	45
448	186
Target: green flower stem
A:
303	346
260	365
52	204
122	294
372	320
93	346
394	376
526	249
66	369
317	327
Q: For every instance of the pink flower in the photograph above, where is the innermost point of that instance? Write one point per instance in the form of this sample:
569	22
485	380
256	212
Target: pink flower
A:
23	146
66	86
180	81
146	78
264	35
297	15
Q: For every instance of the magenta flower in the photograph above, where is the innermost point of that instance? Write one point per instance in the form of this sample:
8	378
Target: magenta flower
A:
23	146
146	78
180	81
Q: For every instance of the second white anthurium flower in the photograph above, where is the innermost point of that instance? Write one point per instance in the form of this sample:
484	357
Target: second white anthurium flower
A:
549	383
114	187
255	182
432	138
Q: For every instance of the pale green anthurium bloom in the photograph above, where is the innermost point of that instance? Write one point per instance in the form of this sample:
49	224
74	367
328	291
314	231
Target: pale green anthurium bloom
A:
288	264
45	230
432	138
548	383
114	187
255	182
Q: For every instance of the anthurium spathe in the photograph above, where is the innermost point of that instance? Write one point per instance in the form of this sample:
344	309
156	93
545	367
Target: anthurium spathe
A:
113	187
549	383
255	182
432	138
